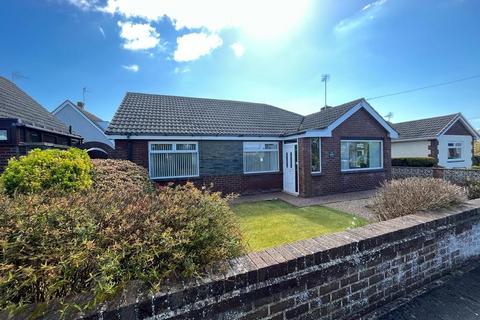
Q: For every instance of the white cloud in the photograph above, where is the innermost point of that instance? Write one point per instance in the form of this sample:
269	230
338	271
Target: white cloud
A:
83	4
102	32
138	36
238	49
260	18
179	70
368	12
194	45
131	67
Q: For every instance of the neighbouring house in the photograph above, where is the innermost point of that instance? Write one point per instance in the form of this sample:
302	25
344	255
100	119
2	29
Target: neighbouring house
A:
26	125
247	147
449	139
88	125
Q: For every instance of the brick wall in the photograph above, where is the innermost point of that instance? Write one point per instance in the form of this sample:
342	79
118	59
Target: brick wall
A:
221	166
433	148
339	276
332	180
7	152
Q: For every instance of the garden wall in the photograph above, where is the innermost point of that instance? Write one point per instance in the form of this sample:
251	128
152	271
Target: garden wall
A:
459	176
339	276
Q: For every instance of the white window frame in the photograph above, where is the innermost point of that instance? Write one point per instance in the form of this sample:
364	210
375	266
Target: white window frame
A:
319	155
174	150
454	146
362	169
277	150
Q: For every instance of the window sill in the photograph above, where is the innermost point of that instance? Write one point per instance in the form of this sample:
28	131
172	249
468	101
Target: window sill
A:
316	174
261	173
362	171
175	178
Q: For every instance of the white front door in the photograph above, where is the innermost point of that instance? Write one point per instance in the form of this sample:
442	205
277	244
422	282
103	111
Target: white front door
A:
290	168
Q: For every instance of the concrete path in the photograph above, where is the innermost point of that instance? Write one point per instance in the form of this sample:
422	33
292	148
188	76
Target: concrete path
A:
457	299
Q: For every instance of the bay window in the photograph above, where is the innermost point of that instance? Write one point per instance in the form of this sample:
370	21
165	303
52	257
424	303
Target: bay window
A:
260	157
173	159
361	154
316	160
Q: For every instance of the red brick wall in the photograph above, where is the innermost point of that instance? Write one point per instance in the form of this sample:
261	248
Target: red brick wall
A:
332	180
433	149
237	183
7	152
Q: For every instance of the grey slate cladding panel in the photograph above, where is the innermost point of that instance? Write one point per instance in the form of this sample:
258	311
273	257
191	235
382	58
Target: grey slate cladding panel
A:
423	128
15	103
221	157
149	114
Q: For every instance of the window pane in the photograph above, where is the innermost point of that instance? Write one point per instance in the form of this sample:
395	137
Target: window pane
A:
161	146
375	155
315	151
261	161
271	146
164	165
361	154
454	153
186	146
3	135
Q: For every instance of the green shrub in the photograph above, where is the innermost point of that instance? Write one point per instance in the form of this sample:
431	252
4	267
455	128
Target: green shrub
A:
473	189
406	196
44	169
55	245
414	162
114	174
476	160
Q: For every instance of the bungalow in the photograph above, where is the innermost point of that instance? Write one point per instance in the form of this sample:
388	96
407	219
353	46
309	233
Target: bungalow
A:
88	125
248	147
25	125
449	139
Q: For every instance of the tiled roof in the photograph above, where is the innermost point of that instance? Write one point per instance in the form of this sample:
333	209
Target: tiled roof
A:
327	116
149	114
15	103
423	128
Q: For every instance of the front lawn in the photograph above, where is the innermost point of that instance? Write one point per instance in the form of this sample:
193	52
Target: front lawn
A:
267	224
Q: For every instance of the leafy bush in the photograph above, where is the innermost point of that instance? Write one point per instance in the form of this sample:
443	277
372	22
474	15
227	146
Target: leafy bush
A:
406	196
476	160
55	245
473	189
44	169
114	174
414	162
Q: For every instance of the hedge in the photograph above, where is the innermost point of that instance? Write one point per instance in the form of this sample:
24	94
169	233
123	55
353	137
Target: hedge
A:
414	162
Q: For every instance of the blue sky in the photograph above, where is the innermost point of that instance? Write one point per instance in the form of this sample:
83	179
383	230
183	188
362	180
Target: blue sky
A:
273	51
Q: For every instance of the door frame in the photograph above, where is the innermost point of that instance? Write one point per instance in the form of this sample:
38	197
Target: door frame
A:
297	175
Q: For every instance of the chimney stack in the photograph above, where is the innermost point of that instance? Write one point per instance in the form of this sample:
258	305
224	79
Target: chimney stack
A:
80	105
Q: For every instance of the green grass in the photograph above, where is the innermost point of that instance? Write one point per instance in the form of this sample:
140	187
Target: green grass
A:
267	224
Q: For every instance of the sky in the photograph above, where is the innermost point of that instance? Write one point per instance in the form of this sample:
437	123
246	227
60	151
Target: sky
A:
269	51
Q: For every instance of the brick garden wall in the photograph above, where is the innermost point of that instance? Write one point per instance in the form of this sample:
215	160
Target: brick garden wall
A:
339	276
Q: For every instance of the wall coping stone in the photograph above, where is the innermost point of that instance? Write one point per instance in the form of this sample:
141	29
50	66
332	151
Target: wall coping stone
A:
252	273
